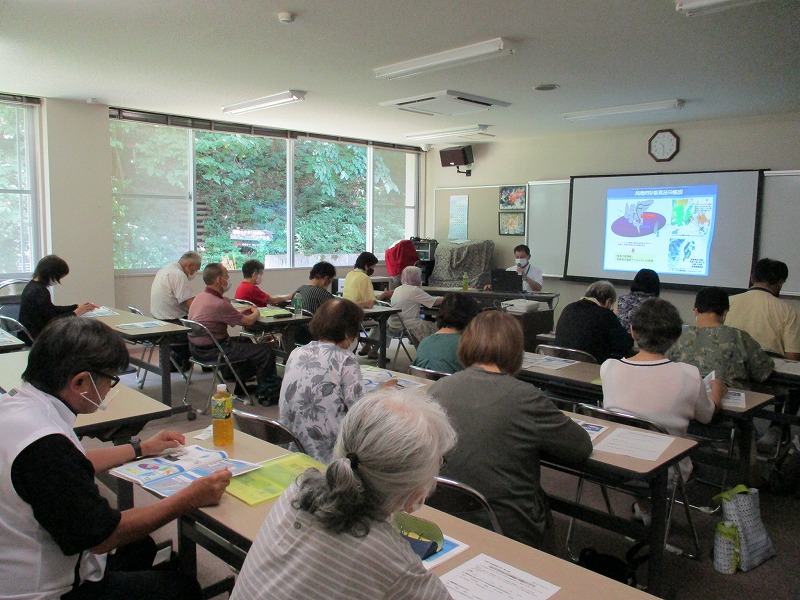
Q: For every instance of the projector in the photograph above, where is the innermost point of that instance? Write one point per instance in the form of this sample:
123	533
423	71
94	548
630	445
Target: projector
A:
520	306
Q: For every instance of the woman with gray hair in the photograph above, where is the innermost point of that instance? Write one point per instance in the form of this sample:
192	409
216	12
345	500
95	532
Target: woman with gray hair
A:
408	298
330	536
590	324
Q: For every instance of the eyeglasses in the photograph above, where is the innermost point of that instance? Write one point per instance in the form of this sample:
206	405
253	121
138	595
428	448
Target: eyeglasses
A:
112	378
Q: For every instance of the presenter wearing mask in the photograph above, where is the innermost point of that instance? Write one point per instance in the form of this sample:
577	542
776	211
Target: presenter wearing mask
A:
531	276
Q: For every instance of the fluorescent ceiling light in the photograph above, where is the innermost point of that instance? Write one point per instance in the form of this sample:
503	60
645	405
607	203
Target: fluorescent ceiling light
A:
623	110
287	97
448	58
475	130
700	7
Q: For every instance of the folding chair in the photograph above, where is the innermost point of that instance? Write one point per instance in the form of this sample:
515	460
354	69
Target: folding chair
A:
200	330
456	498
633	420
427	373
568	353
16	329
403	333
265	429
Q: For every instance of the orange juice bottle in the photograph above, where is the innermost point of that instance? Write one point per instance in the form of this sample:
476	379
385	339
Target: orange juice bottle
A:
221	417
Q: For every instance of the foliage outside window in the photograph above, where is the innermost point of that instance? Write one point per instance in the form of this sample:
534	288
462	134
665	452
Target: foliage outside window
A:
18	198
243	196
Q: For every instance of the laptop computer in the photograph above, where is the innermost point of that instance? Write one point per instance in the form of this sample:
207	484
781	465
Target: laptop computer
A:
509	282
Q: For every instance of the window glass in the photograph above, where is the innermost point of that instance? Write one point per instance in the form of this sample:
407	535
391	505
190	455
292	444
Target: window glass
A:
18	198
152	203
394	194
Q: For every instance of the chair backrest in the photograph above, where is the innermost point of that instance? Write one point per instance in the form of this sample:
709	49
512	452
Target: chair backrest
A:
199	330
16	329
620	416
135	311
456	498
427	373
265	429
12	287
569	353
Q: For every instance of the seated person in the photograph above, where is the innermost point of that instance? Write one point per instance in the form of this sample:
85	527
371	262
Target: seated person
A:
710	345
532	280
216	312
439	352
409	297
652	386
358	288
36	306
330	535
645	285
322	380
314	294
504	425
590	325
56	529
253	272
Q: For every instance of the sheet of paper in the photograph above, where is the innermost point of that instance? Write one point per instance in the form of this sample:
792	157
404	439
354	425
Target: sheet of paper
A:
450	548
545	362
6	339
791	367
638	444
141	325
373	377
485	578
205	433
102	311
592	429
708	379
734	399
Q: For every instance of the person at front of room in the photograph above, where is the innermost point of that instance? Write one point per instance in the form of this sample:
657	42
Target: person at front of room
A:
358	288
36	308
330	535
253	273
504	426
590	325
217	313
55	527
650	385
532	280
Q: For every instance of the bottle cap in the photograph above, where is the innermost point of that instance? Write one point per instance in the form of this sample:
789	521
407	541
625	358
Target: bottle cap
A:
221	387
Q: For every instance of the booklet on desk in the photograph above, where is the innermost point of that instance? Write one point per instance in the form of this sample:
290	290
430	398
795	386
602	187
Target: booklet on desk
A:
271	478
174	470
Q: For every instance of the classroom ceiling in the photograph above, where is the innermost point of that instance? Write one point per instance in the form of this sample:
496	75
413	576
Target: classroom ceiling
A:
191	57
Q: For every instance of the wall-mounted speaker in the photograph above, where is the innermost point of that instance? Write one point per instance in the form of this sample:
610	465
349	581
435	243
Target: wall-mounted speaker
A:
456	157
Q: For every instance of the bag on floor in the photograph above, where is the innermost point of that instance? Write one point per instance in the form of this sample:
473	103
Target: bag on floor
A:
785	476
726	548
612	567
740	506
269	391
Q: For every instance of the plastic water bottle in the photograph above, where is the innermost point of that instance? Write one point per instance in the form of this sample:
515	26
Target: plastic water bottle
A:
465	282
221	417
297	302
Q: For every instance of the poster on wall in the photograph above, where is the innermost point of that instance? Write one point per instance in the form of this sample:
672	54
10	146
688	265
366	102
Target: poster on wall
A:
513	197
459	211
512	223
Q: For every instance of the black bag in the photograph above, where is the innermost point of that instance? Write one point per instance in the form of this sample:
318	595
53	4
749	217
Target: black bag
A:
268	392
612	567
785	476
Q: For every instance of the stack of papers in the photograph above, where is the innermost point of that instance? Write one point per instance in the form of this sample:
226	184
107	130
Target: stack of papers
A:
141	325
545	362
101	311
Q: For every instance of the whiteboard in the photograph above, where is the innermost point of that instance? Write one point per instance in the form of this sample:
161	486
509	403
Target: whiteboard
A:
780	224
548	211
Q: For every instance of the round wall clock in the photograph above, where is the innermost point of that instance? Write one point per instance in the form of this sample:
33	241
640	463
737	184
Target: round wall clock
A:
663	145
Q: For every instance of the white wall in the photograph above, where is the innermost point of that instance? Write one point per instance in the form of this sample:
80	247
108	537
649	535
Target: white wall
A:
756	143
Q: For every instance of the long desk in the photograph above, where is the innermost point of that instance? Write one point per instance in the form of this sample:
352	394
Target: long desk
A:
228	530
127	414
287	326
162	337
582	381
489	299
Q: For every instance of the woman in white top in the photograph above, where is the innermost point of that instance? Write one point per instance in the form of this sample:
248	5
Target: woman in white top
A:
409	297
330	534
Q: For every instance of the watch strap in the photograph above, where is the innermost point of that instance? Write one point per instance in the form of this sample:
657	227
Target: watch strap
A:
137	448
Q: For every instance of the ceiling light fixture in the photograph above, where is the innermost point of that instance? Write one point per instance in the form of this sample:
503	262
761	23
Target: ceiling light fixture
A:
287	97
474	130
442	60
584	115
701	7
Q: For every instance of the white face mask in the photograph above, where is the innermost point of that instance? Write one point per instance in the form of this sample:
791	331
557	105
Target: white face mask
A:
190	277
226	287
522	262
104	402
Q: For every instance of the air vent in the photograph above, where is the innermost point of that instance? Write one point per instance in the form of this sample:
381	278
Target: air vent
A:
447	102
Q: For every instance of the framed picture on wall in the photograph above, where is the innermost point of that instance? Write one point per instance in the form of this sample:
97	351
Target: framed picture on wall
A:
512	223
513	197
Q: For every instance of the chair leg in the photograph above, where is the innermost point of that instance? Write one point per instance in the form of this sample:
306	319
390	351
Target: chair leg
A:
679	487
141	379
249	400
186	389
571	525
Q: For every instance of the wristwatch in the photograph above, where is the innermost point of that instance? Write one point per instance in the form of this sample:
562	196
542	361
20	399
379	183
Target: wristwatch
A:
137	448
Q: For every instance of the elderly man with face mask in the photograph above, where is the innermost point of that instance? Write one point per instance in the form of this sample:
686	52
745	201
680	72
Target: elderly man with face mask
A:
216	312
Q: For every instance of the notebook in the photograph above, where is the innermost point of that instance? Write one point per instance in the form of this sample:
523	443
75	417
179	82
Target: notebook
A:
506	281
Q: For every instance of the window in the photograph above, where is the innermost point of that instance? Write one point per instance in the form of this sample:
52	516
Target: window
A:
236	196
19	201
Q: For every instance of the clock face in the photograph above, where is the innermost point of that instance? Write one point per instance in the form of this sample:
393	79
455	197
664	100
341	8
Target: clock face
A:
664	145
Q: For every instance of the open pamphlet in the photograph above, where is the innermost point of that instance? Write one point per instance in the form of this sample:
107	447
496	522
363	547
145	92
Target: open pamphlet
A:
274	311
271	478
374	376
176	468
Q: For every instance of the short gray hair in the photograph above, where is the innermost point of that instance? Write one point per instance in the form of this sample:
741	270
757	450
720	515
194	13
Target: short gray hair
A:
389	448
190	257
602	291
411	276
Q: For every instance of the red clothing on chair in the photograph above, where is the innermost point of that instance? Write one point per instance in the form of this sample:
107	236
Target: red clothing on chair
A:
401	255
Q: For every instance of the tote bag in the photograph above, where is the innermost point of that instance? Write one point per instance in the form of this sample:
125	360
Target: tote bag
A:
740	507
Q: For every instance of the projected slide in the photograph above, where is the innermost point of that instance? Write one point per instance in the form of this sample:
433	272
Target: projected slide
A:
667	229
